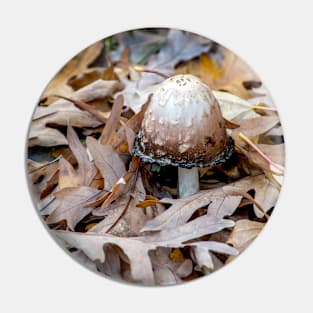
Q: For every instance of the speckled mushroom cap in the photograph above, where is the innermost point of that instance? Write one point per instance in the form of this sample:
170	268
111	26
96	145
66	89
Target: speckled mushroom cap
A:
183	126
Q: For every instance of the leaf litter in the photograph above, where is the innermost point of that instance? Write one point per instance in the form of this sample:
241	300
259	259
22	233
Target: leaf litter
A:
121	217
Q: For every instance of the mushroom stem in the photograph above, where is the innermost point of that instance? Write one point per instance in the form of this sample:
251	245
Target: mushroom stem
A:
188	181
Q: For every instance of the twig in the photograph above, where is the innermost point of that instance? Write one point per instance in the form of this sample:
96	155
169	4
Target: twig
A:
279	167
260	107
45	165
237	191
141	69
83	106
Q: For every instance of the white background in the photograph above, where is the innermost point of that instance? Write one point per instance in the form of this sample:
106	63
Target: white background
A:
275	37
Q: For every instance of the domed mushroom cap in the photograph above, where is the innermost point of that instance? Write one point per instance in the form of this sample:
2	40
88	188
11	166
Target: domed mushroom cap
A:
183	126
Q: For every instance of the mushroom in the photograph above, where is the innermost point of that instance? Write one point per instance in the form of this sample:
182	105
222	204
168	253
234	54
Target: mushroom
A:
183	126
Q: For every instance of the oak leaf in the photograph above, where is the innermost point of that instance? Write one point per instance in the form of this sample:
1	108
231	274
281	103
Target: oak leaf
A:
76	66
137	248
68	177
219	203
86	169
266	192
232	106
123	185
63	113
108	132
42	178
232	74
107	161
244	232
253	127
204	257
71	205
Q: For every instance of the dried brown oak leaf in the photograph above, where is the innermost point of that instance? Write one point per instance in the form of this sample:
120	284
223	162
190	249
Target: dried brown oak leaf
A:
125	189
72	205
121	215
63	113
42	178
74	191
164	267
74	67
124	138
109	131
219	202
253	127
122	218
231	75
234	107
164	275
112	263
275	153
122	186
244	232
137	248
107	161
111	216
68	177
86	169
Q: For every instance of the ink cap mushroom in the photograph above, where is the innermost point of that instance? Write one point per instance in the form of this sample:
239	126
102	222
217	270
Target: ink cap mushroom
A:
183	126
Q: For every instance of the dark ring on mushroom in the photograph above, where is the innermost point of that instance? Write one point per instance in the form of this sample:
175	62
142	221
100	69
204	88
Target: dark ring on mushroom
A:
220	158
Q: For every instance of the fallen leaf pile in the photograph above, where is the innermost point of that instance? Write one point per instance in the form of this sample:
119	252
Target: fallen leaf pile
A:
121	217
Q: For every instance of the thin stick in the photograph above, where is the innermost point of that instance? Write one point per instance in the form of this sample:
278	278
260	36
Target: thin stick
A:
83	106
141	69
280	168
45	165
235	191
259	107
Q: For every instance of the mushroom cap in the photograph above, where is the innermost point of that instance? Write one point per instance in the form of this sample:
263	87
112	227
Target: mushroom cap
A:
183	126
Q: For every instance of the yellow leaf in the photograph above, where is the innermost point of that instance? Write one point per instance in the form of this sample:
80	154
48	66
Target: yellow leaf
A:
209	69
231	74
89	226
176	255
